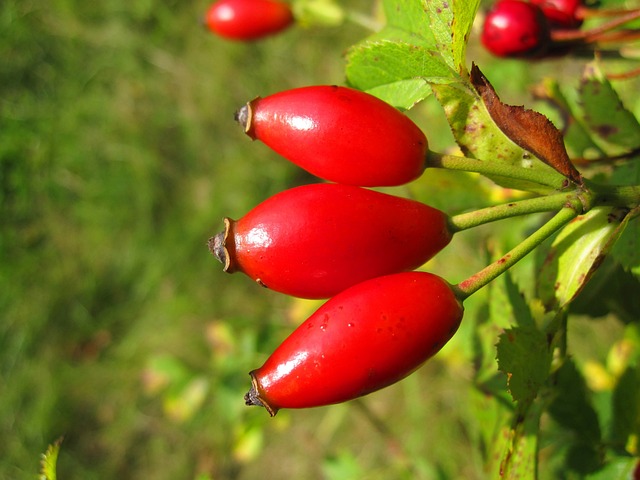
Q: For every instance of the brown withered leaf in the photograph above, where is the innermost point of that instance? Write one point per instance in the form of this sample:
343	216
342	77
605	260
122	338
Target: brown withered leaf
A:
529	129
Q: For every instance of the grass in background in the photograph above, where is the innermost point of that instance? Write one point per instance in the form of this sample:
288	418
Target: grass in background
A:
119	158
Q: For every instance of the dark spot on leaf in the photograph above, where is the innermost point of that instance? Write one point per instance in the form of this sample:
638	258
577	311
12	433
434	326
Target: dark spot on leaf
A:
607	130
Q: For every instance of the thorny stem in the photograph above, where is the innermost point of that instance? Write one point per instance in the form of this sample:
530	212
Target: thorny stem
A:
474	283
549	178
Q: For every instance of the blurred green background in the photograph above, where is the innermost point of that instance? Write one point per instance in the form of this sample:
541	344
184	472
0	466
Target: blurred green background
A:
118	331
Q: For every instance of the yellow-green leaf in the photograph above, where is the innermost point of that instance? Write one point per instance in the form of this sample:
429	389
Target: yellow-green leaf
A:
577	252
49	461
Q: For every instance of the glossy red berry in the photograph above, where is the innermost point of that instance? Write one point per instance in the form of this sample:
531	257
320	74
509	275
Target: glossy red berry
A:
561	13
364	339
316	240
339	134
514	28
248	19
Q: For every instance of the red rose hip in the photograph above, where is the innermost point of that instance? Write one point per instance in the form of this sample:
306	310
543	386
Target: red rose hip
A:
364	339
561	13
514	28
316	240
248	19
339	134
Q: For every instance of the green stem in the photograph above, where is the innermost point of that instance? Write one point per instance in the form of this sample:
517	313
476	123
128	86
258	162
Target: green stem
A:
548	203
474	283
549	178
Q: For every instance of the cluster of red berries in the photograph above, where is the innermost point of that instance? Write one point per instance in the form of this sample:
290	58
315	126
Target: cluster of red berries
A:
540	28
338	240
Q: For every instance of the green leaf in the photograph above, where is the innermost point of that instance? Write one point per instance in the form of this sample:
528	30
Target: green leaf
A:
451	22
397	72
464	14
614	128
521	311
583	458
577	252
618	468
611	290
49	461
571	406
626	408
577	136
407	20
398	63
627	248
403	94
478	136
524	356
515	452
441	22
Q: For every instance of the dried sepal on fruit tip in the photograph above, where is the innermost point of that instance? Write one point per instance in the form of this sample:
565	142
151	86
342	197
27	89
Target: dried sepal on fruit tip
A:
244	116
380	147
252	397
314	241
219	246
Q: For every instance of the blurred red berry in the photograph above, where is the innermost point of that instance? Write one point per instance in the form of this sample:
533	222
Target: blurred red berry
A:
248	19
561	13
514	28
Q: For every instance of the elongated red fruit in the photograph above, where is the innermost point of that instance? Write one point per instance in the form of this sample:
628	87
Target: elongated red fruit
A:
339	134
364	339
316	240
248	19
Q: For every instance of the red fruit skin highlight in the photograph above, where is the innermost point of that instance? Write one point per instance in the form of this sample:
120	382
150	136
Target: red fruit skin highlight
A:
339	134
364	339
316	240
513	28
247	20
561	13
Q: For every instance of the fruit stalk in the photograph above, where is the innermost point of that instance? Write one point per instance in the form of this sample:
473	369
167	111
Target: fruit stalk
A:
593	35
474	283
549	178
476	218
